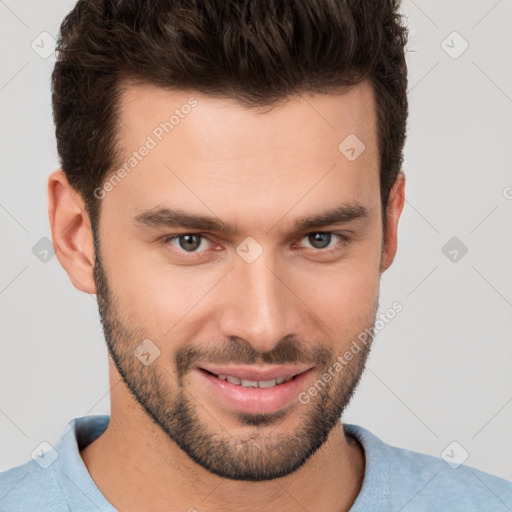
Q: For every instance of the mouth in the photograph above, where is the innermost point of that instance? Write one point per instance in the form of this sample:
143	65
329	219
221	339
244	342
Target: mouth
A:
250	383
251	390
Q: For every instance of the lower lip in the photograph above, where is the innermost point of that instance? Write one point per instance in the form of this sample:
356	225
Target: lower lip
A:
255	400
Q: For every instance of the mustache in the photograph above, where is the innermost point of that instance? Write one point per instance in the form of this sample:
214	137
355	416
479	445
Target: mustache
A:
238	351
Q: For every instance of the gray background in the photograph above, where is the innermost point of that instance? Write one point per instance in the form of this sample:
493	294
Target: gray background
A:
439	372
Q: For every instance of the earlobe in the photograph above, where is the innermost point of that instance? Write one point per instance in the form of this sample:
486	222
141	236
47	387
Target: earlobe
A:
393	211
71	232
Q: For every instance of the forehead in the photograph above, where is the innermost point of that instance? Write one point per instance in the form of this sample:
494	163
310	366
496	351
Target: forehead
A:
211	154
145	107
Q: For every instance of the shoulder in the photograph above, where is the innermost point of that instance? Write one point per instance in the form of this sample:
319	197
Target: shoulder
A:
417	481
454	487
30	487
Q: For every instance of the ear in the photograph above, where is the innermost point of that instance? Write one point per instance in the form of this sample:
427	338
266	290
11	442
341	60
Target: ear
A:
393	211
71	232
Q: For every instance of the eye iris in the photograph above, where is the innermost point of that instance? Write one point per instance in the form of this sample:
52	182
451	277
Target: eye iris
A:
323	239
192	242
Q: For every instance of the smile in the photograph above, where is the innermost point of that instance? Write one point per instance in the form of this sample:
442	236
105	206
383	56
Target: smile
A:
253	389
254	383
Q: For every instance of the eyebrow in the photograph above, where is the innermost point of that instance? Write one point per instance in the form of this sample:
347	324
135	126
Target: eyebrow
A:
173	218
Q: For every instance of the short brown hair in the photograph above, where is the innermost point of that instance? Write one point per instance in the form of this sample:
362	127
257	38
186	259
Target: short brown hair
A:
255	51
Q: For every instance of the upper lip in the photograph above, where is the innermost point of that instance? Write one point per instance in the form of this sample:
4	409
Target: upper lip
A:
250	372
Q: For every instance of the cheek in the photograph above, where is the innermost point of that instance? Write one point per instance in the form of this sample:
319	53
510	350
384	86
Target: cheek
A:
141	287
171	301
163	298
344	298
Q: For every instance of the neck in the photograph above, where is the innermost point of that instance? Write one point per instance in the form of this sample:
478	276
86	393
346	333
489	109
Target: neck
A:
137	468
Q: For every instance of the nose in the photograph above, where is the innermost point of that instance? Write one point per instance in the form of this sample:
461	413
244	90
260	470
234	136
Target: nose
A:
257	304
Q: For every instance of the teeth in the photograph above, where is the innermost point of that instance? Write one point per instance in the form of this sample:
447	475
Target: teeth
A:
267	383
254	383
249	383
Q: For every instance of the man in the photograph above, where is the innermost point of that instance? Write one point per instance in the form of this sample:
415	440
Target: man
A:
230	190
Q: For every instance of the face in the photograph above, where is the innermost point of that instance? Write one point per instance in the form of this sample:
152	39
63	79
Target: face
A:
240	249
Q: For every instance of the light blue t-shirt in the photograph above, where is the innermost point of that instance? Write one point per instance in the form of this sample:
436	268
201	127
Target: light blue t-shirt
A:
395	479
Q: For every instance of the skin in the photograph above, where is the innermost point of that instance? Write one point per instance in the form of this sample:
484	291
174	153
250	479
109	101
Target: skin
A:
259	170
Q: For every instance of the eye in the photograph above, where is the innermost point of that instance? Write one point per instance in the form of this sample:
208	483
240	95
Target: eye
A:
194	243
188	242
320	240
